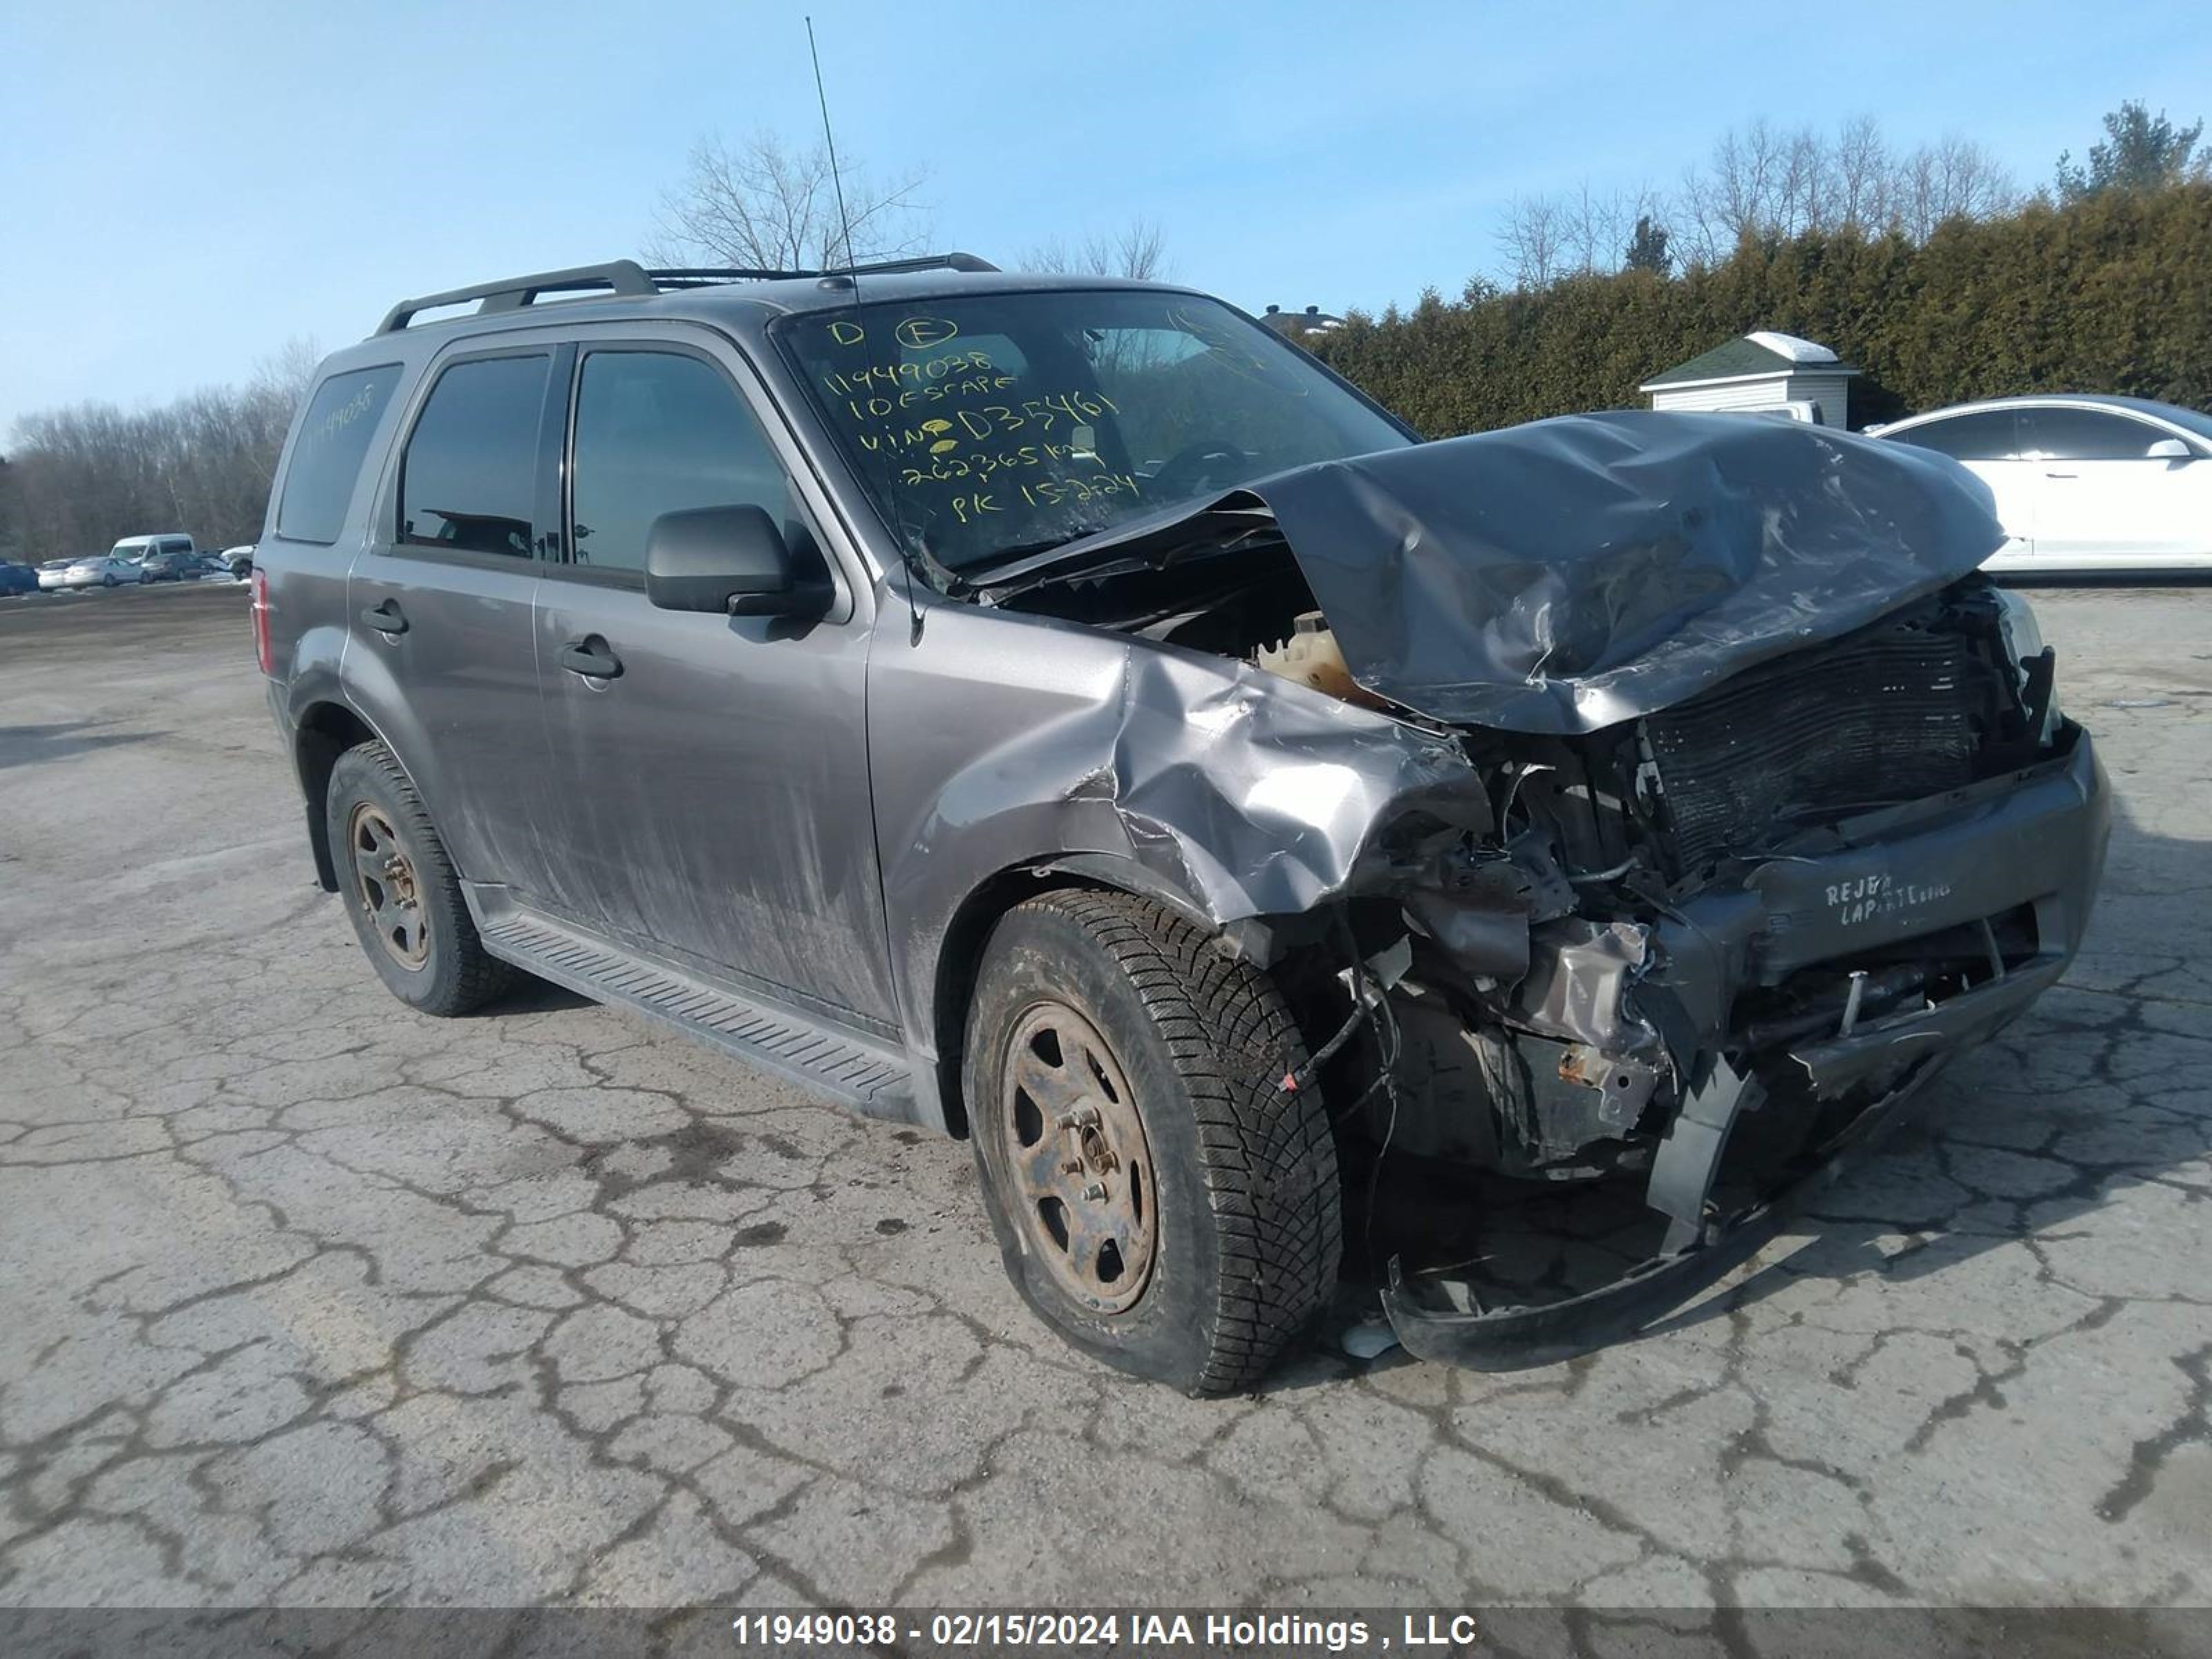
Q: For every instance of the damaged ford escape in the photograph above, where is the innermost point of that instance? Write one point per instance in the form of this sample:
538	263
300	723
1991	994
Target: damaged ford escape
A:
1062	715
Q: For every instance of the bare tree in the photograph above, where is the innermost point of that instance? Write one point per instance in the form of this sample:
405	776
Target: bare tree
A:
1138	250
1862	176
767	206
290	371
80	478
1761	181
1533	239
1956	178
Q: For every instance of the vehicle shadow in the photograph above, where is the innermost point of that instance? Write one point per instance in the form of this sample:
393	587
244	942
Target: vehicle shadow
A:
2083	1098
34	745
531	995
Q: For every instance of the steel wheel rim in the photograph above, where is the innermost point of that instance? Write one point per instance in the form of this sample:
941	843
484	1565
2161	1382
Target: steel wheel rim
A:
1079	1164
386	887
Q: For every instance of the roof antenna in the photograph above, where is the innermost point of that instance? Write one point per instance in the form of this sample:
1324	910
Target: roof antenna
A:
852	277
836	180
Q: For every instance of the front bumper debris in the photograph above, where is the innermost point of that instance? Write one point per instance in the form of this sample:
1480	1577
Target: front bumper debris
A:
2041	844
1445	1319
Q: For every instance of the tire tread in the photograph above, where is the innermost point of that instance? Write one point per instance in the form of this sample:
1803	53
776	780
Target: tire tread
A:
1270	1165
477	976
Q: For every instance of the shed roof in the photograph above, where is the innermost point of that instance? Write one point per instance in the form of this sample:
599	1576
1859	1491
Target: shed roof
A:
1753	357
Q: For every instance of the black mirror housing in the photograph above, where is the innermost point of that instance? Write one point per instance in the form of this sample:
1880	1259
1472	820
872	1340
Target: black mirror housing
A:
731	560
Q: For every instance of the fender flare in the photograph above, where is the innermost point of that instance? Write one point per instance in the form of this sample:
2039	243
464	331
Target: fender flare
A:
315	749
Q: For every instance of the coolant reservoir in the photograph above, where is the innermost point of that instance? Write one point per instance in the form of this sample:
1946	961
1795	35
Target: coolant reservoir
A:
1310	656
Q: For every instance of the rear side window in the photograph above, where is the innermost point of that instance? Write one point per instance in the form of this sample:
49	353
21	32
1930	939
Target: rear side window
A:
469	479
327	455
1989	436
658	432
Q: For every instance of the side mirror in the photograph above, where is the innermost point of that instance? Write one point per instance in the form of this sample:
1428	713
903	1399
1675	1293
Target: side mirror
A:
2170	449
729	560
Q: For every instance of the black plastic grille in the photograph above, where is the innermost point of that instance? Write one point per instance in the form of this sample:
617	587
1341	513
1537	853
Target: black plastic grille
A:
1886	714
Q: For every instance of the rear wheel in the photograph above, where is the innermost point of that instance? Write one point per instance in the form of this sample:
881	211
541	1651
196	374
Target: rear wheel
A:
401	891
1161	1201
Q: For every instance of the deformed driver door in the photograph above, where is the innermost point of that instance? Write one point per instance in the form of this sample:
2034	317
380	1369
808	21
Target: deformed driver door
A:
712	770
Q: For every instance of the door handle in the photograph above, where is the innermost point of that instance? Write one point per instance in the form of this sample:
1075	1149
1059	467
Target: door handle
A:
2061	475
592	657
386	618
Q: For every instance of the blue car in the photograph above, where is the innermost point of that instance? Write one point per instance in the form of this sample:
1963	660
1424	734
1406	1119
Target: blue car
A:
17	579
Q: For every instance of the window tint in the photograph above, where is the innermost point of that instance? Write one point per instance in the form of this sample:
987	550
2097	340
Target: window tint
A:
1986	436
2084	435
176	544
470	476
659	433
326	457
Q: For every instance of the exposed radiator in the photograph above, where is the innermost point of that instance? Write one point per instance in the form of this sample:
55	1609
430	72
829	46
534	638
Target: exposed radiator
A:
1892	713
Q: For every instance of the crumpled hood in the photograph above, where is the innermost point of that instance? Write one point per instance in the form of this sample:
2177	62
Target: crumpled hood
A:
1560	576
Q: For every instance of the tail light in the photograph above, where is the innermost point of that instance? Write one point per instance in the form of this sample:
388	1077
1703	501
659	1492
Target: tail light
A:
261	650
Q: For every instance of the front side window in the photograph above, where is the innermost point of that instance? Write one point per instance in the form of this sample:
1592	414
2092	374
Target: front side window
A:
660	432
327	455
2086	434
469	479
1989	435
988	425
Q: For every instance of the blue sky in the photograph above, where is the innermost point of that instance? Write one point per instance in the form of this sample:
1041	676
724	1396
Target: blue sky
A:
183	187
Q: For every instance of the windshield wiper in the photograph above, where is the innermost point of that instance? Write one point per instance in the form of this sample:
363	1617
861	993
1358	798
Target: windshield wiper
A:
1002	557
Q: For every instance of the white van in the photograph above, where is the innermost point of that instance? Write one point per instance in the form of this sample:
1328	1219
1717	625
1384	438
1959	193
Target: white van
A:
169	557
136	548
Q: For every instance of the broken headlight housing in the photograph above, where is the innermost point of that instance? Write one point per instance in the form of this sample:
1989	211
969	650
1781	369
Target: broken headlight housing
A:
2022	638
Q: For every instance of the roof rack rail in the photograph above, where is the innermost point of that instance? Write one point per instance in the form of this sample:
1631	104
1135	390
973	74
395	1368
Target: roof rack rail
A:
624	276
628	278
708	276
954	261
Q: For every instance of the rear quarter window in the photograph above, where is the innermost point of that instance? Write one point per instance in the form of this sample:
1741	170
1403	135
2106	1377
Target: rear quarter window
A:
326	457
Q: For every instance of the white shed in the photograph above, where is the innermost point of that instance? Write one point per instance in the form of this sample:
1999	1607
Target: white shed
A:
1764	370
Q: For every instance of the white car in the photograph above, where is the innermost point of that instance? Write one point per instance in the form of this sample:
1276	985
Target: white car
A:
2083	483
95	570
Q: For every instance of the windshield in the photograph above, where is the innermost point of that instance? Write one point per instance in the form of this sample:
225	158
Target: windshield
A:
995	424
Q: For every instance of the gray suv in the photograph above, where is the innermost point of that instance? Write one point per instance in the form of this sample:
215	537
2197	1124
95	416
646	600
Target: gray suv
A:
1063	715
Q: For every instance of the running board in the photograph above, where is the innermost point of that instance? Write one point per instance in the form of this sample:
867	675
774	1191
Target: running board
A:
871	1076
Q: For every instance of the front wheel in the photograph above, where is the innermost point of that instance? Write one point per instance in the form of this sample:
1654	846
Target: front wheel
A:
1161	1200
401	891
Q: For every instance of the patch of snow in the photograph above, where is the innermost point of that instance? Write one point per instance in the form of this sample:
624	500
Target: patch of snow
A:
1789	346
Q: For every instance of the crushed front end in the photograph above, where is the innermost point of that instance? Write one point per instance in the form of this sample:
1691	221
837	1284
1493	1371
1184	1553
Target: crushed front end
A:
1710	786
1798	894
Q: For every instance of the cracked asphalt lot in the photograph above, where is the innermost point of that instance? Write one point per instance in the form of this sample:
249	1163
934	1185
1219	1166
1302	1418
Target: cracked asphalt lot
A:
306	1299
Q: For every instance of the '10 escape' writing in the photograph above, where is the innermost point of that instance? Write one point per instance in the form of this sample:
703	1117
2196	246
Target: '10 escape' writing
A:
945	448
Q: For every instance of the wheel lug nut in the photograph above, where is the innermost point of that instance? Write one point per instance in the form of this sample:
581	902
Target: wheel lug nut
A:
1084	1119
1095	1191
1073	1166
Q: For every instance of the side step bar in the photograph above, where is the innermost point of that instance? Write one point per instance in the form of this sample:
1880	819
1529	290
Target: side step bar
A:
871	1076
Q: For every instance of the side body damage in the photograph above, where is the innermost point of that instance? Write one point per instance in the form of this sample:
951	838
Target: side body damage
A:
1607	780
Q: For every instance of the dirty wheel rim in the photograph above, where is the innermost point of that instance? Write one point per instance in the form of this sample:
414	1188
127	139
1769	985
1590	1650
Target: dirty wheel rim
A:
1081	1169
385	885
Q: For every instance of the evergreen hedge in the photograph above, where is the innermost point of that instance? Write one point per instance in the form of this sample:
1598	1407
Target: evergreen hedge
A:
2110	294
